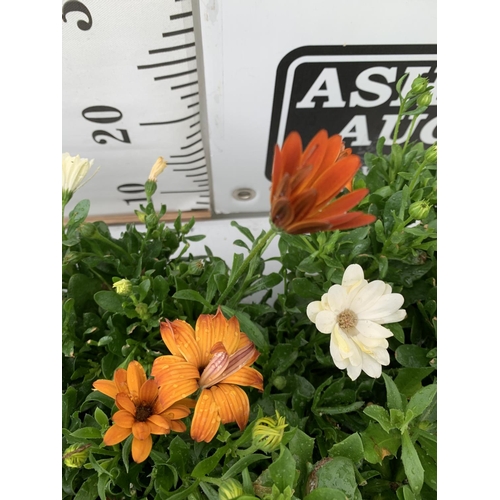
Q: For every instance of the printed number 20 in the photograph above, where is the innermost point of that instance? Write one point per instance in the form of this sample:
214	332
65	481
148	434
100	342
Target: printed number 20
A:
100	114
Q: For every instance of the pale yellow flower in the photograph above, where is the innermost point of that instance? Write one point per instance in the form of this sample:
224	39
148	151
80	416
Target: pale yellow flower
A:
157	169
74	171
352	313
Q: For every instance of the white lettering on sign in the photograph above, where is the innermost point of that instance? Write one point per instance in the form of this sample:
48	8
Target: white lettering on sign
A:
382	90
328	85
330	79
358	128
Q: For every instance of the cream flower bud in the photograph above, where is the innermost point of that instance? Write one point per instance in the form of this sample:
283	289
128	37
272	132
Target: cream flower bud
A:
123	287
419	209
74	171
157	169
76	455
267	432
230	489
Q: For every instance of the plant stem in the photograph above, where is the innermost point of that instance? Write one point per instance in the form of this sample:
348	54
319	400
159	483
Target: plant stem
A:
257	250
410	133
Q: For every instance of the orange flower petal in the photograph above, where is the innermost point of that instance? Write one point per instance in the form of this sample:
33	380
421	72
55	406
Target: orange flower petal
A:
206	419
340	205
188	403
140	430
157	425
355	219
176	412
148	392
304	203
120	379
224	405
291	153
238	400
232	335
185	340
136	376
177	426
333	180
106	387
165	362
309	226
123	419
124	403
171	393
141	449
247	377
167	334
214	371
116	434
178	372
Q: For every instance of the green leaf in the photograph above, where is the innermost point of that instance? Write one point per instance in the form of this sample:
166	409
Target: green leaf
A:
337	410
405	493
88	491
144	287
101	417
248	327
301	446
394	399
68	405
336	473
191	295
126	448
413	467
305	288
397	331
87	433
209	491
378	443
412	356
409	380
380	415
422	399
79	213
430	468
242	464
183	493
282	470
179	455
243	230
109	301
209	464
351	447
326	494
284	356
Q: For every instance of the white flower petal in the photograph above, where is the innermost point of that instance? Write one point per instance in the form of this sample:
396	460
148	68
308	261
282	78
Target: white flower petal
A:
367	296
371	367
353	275
313	309
325	320
373	330
371	342
354	371
391	318
386	305
336	298
381	355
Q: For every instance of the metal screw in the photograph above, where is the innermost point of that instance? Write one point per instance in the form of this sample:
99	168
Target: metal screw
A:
244	194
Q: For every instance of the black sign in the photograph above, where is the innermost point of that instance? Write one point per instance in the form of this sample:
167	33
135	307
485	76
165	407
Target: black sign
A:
350	91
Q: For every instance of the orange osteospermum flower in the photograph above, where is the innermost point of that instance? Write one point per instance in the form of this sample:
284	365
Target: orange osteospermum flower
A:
214	357
304	183
140	411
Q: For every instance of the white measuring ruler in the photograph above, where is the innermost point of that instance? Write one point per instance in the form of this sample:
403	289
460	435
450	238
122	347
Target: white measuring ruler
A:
131	93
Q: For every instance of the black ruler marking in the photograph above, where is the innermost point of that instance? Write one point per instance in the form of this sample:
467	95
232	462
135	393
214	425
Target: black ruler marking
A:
181	192
199	180
203	203
194	104
178	32
187	162
189	95
172	121
175	75
189	154
169	63
197	175
175	87
189	137
194	124
187	169
170	49
180	16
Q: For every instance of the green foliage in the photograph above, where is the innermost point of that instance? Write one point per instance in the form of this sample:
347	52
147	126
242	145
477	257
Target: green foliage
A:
368	438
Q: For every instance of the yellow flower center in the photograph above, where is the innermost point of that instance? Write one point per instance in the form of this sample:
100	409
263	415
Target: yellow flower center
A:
347	320
143	412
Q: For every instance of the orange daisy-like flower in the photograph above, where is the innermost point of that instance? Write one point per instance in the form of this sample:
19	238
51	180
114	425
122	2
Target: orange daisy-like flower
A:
140	411
214	357
304	183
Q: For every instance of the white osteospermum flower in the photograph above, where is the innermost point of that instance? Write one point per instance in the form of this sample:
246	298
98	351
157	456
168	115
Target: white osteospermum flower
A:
74	170
353	314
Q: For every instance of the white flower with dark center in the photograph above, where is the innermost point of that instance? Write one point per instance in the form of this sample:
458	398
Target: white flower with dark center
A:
353	314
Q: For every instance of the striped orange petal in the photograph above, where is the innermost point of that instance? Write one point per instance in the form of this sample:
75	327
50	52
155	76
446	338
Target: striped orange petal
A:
140	430
125	403
157	424
165	362
171	393
238	400
116	434
141	448
184	336
206	418
246	376
123	419
136	377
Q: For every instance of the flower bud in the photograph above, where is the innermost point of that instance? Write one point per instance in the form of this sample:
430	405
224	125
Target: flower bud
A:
279	382
431	154
123	287
157	169
141	216
196	267
142	311
419	85
231	488
419	209
87	230
423	100
76	455
267	433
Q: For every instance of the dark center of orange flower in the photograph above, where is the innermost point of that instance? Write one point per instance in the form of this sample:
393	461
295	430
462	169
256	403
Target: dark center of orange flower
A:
347	320
143	412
